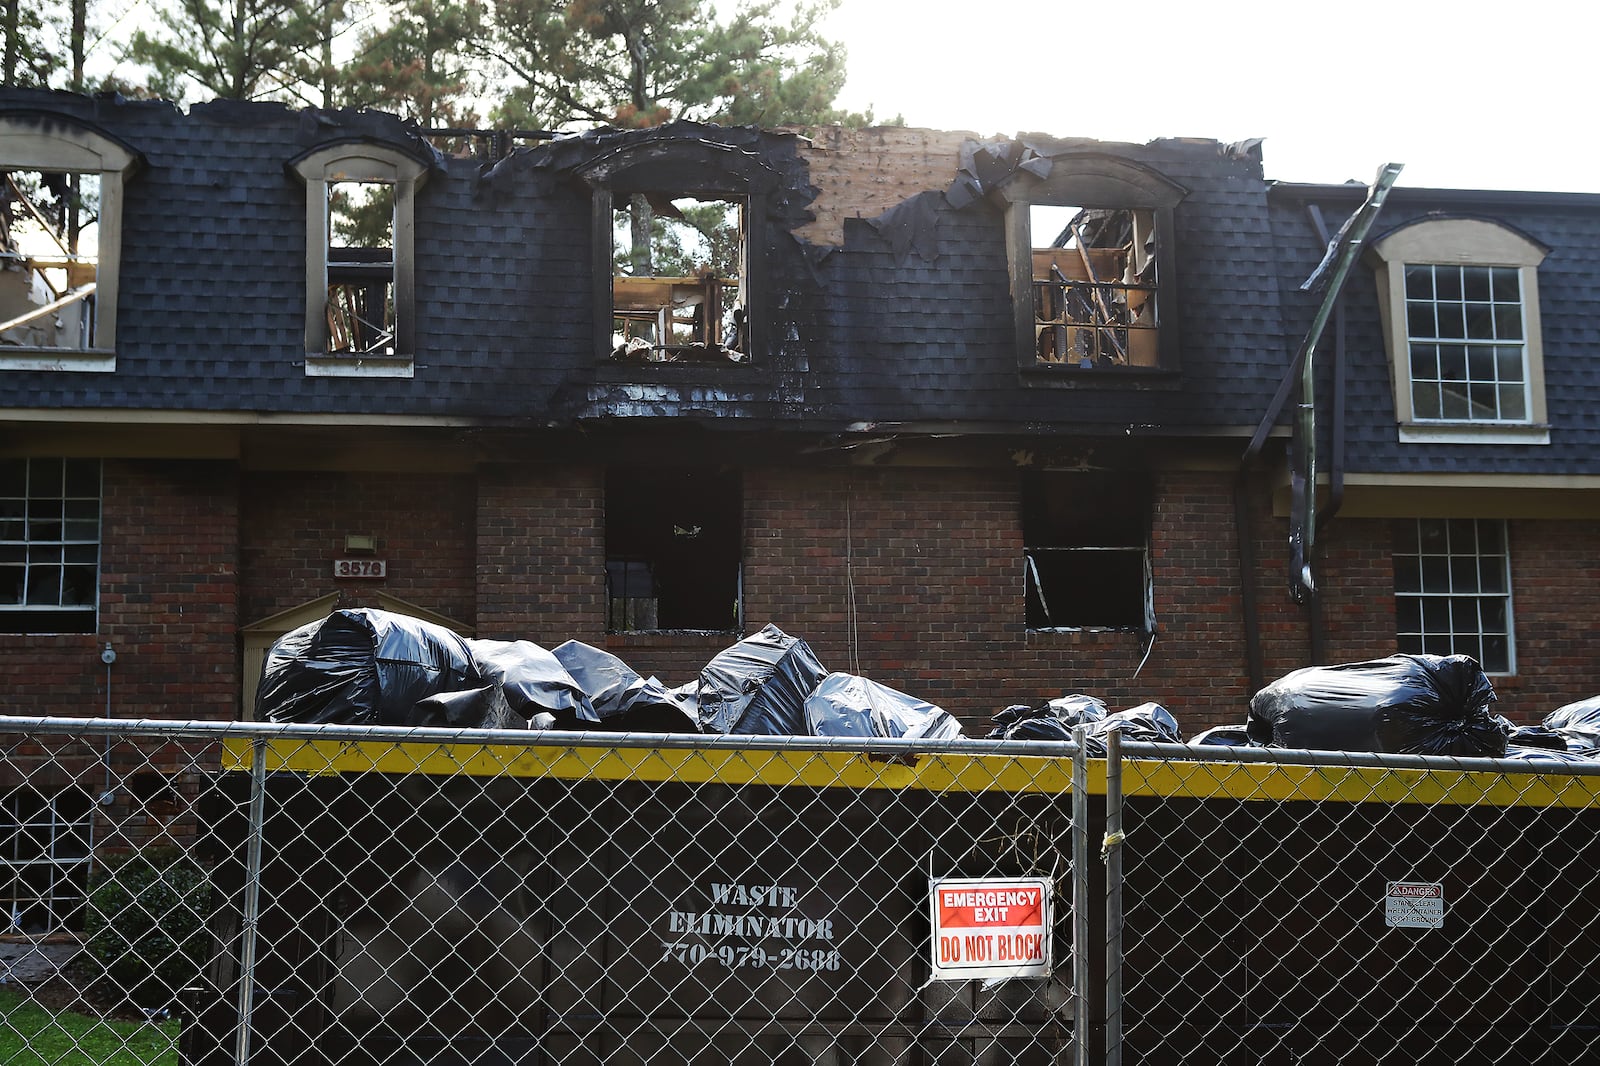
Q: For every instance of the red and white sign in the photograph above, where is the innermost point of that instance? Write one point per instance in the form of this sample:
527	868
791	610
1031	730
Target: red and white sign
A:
990	927
1413	905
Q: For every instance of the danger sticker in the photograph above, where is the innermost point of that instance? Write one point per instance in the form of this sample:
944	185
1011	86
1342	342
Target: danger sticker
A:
1414	905
990	928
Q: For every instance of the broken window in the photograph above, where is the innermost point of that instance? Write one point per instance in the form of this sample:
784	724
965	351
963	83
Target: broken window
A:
1093	280
360	259
60	243
1086	552
361	318
49	238
45	844
672	550
49	545
1094	286
678	279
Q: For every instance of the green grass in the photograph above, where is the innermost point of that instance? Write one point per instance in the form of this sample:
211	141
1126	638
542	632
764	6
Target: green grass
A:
32	1036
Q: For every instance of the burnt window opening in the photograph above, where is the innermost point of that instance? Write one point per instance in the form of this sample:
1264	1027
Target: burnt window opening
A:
1093	269
361	268
360	258
1086	555
673	546
1095	291
46	840
679	277
49	258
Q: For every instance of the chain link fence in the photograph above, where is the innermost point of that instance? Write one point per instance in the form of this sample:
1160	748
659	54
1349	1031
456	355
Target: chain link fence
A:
211	893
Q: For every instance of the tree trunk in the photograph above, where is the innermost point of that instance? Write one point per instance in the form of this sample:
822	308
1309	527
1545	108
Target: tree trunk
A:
640	219
12	18
80	17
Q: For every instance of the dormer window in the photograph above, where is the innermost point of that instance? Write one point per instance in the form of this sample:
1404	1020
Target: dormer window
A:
1095	286
678	228
1093	280
678	279
360	259
60	243
1460	305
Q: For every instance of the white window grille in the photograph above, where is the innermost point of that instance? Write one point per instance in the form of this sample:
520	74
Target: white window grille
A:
1453	590
45	844
1468	355
49	545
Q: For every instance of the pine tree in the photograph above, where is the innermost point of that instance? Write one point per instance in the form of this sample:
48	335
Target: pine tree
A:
645	62
242	49
420	64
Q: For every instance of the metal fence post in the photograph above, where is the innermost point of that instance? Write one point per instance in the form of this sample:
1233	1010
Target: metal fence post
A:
252	898
1080	899
1113	860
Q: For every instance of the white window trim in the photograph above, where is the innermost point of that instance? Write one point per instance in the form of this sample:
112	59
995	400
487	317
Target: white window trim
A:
60	143
1508	595
371	163
1460	242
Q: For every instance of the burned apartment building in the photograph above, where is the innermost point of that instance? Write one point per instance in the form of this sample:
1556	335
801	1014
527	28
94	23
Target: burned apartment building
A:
986	419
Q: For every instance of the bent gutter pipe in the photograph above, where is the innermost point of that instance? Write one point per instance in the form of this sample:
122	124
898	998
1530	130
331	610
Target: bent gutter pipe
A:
1351	236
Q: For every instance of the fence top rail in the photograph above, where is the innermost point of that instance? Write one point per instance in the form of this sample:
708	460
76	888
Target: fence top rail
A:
963	763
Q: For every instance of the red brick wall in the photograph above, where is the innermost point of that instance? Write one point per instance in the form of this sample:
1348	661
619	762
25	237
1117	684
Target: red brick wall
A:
294	525
926	563
168	604
540	571
937	562
1555	569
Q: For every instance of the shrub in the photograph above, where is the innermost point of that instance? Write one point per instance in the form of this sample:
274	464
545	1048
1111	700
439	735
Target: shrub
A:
145	930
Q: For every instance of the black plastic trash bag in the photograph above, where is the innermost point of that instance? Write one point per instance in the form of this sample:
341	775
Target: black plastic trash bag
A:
530	678
362	667
1532	736
1148	722
1414	704
759	686
472	708
620	698
1050	721
848	705
1534	753
1579	725
1223	736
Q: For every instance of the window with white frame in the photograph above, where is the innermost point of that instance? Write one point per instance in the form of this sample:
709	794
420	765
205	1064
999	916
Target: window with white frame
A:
1460	305
60	243
45	845
360	259
49	545
1452	580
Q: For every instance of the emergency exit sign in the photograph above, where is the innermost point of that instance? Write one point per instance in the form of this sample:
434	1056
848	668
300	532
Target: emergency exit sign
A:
990	927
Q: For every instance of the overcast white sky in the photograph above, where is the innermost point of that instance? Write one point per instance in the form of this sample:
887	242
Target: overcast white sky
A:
1467	94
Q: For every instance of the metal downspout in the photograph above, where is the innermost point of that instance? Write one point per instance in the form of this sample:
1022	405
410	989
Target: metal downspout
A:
1342	252
1350	237
1316	627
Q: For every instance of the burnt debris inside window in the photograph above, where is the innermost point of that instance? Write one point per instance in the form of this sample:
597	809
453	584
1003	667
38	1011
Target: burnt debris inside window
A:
1094	286
672	549
361	308
49	262
678	279
1086	557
